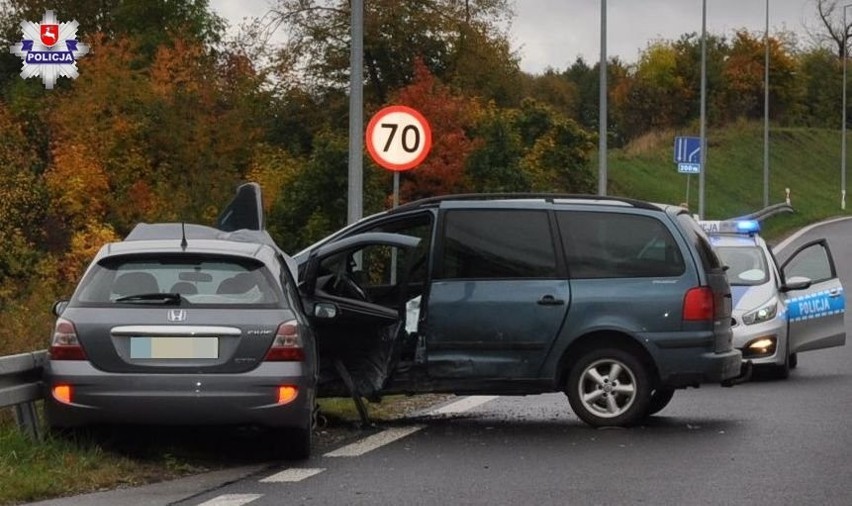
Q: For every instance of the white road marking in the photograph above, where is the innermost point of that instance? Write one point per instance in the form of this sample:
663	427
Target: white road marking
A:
232	500
370	443
805	230
463	405
292	475
388	436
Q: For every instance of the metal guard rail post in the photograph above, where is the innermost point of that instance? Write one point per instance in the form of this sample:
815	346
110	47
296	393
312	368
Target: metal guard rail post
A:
21	387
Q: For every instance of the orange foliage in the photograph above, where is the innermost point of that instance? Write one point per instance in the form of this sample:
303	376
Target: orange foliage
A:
178	68
85	243
77	183
449	116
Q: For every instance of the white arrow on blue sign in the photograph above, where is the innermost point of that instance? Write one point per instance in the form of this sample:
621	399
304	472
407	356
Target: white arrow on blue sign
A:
687	150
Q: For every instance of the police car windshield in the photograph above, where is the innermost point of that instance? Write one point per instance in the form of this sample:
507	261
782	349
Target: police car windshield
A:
746	265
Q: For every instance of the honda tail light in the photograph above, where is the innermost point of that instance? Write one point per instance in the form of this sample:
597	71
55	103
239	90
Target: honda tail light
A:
698	304
62	393
65	344
287	345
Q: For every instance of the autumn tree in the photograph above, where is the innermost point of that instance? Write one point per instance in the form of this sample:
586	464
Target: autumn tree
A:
830	30
744	74
448	36
450	117
822	82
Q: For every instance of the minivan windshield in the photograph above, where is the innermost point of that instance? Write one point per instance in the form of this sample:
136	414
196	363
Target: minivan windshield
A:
187	279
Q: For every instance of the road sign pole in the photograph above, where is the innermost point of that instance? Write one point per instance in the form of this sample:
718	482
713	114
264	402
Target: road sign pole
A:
688	181
395	190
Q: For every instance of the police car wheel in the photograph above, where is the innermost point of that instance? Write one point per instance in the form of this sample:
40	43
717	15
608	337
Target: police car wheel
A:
782	371
609	387
794	360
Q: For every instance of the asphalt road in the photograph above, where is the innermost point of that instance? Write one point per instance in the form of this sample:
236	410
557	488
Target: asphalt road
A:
763	442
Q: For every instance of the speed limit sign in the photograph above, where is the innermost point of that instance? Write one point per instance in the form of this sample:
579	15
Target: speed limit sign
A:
398	138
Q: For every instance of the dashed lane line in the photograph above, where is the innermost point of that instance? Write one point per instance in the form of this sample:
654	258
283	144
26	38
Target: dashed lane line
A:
232	500
370	443
292	475
355	449
462	405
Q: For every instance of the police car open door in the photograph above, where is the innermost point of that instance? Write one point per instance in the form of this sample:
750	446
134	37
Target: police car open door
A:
814	314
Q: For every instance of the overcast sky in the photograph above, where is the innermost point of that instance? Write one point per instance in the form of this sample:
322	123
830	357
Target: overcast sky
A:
552	33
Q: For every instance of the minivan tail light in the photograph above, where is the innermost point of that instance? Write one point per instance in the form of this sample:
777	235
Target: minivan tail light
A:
65	345
287	345
698	304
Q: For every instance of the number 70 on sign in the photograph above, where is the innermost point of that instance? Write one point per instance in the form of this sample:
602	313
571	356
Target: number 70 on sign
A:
398	138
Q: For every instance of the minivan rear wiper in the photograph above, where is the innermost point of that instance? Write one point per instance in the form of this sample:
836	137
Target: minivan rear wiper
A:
165	298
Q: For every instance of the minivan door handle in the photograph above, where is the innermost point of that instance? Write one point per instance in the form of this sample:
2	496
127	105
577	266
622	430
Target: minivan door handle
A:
550	300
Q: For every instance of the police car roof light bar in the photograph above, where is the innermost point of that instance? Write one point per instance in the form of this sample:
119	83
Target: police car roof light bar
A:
747	227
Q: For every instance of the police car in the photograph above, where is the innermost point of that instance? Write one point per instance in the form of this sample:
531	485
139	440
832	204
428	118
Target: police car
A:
778	311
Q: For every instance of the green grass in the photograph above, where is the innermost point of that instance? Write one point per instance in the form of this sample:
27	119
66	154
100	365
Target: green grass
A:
53	467
805	160
130	456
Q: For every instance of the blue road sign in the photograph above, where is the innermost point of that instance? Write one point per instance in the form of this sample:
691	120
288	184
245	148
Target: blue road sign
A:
687	150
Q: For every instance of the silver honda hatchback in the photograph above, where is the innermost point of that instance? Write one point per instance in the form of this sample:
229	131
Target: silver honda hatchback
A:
186	325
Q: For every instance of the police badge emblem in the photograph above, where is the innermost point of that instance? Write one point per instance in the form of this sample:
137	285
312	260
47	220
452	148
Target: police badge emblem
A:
49	49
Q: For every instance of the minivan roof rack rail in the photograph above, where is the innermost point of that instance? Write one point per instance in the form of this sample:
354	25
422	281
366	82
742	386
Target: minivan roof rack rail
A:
549	197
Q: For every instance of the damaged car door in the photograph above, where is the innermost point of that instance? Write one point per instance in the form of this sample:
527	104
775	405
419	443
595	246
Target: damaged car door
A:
355	295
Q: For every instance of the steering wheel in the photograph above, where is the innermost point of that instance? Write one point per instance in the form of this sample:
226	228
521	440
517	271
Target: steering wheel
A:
345	286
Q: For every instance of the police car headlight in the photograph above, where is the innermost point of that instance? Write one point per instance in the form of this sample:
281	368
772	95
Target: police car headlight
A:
763	314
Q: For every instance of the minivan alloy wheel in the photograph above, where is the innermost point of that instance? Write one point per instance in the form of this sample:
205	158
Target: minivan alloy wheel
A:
609	387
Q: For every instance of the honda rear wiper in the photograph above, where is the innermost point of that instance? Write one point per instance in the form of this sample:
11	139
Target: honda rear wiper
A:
165	298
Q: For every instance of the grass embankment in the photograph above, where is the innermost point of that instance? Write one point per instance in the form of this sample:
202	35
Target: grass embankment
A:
805	160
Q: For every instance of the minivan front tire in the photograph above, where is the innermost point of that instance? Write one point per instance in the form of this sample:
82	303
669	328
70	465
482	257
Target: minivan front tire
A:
609	387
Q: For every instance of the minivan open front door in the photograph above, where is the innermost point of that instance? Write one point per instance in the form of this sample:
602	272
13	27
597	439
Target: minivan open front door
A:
814	314
358	330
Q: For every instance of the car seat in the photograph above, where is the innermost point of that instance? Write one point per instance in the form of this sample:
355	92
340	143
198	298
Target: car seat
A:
133	283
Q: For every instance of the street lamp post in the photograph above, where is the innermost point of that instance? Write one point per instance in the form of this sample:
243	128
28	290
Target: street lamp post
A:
843	128
355	191
602	124
703	109
766	113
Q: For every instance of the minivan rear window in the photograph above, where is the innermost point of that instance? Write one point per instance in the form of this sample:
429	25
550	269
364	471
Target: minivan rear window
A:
199	280
618	245
696	235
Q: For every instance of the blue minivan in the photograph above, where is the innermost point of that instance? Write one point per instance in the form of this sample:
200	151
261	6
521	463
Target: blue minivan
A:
615	302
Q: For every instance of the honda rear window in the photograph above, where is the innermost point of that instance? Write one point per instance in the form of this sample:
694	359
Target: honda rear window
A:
196	280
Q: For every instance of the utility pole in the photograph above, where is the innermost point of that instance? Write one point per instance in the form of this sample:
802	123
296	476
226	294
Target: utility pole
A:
701	175
602	123
355	195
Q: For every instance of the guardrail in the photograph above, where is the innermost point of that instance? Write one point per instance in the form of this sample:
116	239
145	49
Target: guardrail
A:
21	387
768	212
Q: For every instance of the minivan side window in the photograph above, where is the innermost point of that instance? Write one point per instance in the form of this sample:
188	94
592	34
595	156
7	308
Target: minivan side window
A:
497	244
615	245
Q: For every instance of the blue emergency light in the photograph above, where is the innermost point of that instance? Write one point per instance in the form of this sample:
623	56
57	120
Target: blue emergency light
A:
749	227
